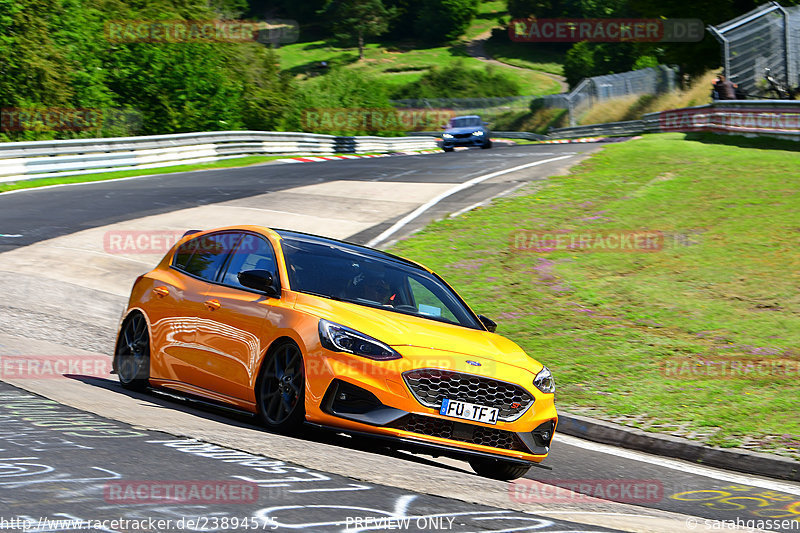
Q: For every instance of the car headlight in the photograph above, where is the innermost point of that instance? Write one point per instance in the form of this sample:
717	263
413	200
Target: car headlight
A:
446	136
477	133
544	381
338	338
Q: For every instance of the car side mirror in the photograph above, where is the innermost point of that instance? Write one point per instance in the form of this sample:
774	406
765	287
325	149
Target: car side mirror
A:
259	280
488	323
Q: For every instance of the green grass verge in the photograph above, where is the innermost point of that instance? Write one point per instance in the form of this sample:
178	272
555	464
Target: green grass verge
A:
611	324
103	176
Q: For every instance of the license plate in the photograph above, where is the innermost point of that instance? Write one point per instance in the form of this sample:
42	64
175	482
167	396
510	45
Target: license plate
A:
469	411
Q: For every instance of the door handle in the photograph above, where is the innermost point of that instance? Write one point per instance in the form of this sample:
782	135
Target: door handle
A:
212	305
161	291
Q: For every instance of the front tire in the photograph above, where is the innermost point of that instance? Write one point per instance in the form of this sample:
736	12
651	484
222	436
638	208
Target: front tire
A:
132	353
498	469
447	149
487	145
280	389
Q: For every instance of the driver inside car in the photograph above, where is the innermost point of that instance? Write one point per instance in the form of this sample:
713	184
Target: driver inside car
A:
373	288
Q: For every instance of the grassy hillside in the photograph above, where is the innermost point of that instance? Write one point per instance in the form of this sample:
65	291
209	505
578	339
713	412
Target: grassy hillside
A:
397	64
635	337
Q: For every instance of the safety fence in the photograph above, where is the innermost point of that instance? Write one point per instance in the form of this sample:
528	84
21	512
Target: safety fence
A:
652	80
768	37
754	42
61	158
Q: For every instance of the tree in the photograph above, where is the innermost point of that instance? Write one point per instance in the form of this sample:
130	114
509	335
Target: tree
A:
444	20
33	69
579	63
359	19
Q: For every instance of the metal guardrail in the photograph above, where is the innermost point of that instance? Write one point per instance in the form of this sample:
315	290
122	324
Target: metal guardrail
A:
519	135
628	127
30	160
776	118
773	118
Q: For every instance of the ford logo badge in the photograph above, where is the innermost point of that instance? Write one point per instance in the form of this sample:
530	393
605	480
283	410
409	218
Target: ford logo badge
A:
473	363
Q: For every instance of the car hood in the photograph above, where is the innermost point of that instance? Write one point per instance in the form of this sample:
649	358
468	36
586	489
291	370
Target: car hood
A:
408	333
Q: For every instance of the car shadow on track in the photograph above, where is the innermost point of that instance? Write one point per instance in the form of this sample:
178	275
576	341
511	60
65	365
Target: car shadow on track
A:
202	408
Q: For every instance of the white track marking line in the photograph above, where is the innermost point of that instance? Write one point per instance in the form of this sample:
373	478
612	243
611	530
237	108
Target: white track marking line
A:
481	204
467	184
730	477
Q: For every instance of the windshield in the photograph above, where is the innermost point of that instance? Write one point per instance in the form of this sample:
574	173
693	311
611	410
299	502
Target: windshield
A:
465	122
362	276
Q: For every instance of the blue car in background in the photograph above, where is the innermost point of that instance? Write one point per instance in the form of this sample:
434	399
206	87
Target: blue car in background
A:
468	130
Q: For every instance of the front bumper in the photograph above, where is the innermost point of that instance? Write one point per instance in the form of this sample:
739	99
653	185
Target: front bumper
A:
472	140
373	398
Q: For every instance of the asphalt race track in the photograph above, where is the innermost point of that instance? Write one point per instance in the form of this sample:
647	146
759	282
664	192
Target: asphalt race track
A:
77	447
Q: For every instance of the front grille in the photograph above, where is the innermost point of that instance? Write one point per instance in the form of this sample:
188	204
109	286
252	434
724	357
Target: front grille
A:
462	135
448	429
431	386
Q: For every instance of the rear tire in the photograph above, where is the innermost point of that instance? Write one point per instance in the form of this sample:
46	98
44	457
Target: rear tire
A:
132	353
280	388
498	469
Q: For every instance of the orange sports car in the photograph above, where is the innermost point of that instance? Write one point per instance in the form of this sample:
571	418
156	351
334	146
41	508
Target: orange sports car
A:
303	329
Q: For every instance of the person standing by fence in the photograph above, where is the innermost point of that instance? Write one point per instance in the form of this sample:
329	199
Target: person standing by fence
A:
725	88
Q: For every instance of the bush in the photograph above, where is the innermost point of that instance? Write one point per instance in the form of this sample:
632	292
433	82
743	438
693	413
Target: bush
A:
645	62
339	90
459	81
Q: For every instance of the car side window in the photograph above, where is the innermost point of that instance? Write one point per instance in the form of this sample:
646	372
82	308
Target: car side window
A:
204	256
428	303
252	253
